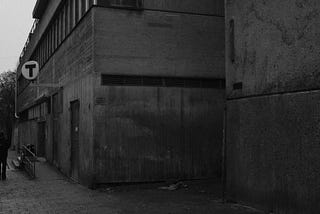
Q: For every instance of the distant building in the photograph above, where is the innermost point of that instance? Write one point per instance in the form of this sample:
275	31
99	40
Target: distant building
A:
139	90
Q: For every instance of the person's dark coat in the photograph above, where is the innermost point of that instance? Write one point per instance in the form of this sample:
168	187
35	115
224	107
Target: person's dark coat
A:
4	146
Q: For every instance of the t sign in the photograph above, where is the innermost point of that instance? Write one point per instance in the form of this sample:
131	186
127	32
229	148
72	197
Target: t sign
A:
30	70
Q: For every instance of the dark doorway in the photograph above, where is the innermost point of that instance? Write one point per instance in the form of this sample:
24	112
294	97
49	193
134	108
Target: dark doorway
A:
57	106
55	140
41	147
75	106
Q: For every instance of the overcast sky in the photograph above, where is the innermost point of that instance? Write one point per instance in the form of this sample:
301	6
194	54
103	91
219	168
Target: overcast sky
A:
15	22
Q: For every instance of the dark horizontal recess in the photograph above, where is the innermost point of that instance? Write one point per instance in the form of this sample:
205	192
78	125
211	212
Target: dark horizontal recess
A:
126	80
237	86
134	4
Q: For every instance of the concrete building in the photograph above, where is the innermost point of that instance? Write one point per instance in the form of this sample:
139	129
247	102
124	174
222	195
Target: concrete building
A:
273	98
139	89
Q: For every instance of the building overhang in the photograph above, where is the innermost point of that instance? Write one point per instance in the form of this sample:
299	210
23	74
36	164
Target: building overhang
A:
39	8
37	101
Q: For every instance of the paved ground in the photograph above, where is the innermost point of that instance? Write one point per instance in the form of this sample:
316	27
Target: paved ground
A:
53	193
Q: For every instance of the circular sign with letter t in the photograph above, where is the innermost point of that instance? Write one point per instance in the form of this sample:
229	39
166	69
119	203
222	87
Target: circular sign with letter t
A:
30	70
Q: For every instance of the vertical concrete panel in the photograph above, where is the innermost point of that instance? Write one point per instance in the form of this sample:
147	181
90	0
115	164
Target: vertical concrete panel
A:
155	133
273	152
49	143
149	133
81	90
272	149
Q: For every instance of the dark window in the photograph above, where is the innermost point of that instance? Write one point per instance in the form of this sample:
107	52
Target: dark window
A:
62	24
71	14
57	103
57	33
66	18
76	11
52	38
83	7
43	49
41	54
59	29
47	47
49	42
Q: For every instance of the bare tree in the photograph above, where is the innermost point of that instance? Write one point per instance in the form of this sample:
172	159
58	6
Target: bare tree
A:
7	99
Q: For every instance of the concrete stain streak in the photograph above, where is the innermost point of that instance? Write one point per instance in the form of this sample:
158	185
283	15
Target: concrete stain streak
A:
288	32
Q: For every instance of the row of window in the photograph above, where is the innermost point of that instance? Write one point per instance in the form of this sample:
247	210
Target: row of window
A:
66	18
41	110
38	111
68	15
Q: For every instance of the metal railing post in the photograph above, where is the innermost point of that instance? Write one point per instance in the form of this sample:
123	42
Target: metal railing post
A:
29	161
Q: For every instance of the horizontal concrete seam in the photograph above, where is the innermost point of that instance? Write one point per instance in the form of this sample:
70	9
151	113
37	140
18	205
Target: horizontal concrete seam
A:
159	10
275	94
181	12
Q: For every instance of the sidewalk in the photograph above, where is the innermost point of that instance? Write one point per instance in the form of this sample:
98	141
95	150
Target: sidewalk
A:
51	192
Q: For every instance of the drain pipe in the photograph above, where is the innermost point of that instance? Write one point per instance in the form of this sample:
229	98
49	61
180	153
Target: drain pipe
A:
224	155
16	97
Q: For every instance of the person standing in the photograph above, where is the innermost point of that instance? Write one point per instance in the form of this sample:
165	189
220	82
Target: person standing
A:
4	146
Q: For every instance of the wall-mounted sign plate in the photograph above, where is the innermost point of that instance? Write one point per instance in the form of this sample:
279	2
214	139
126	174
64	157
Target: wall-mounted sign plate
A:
30	70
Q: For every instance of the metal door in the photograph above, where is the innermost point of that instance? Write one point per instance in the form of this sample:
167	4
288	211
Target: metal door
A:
56	137
55	140
74	106
41	147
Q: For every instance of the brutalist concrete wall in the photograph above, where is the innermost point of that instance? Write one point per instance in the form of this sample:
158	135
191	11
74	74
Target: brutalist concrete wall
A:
151	133
272	70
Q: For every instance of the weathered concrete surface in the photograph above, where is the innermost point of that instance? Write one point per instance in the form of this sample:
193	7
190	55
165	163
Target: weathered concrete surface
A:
152	134
158	43
272	140
273	152
277	45
70	66
157	133
148	42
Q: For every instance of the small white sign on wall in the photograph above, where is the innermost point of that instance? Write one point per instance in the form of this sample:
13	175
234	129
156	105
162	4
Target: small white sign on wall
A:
30	70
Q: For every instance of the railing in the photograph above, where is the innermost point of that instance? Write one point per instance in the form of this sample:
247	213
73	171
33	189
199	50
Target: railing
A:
29	161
